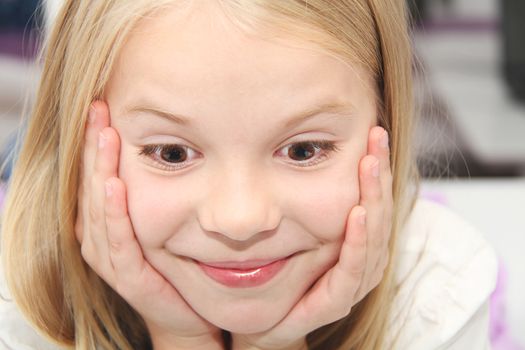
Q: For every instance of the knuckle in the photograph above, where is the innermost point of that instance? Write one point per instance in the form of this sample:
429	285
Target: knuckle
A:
373	190
357	269
97	161
114	247
94	214
354	242
371	199
376	194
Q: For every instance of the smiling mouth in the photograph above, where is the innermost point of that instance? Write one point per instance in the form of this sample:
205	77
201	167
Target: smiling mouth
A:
244	274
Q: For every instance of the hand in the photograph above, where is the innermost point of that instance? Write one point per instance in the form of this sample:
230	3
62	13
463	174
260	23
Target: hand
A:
363	258
109	246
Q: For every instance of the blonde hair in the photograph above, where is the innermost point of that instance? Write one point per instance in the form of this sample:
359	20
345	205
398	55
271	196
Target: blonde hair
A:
51	283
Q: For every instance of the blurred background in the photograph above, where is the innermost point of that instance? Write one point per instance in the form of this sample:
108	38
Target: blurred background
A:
470	137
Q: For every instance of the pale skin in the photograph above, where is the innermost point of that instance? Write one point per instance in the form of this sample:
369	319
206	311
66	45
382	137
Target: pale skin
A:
115	254
136	223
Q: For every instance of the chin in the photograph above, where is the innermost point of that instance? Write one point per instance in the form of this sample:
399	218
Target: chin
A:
242	318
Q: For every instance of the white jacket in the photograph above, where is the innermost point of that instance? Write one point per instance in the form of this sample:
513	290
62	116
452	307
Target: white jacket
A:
445	275
446	272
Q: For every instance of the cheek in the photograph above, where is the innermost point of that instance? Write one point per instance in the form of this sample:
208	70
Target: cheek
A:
156	204
322	205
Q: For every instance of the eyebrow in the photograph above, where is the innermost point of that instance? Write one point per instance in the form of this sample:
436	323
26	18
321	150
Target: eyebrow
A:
336	108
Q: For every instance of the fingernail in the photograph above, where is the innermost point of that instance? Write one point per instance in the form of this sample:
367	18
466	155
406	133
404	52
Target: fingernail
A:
109	189
362	217
375	169
384	140
101	140
92	114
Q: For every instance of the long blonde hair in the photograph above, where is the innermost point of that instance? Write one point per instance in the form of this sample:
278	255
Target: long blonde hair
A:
44	269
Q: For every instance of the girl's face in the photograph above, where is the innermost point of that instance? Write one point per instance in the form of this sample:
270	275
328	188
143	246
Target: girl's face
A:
216	129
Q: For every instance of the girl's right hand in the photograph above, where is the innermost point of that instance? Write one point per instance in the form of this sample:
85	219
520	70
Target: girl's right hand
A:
109	246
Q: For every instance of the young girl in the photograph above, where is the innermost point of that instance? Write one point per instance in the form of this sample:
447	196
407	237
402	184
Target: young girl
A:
218	174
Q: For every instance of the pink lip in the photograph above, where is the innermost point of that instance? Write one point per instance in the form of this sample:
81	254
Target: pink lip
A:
244	274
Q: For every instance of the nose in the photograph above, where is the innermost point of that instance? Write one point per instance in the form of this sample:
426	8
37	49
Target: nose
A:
240	206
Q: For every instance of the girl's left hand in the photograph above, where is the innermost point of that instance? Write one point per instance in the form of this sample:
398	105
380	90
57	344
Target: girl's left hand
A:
363	258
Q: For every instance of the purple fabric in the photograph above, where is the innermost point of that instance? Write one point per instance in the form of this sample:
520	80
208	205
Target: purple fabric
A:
499	331
500	336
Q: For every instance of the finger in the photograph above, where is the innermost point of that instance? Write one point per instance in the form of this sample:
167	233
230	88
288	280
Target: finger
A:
347	275
332	297
133	277
371	197
97	119
379	206
124	251
378	146
106	166
372	200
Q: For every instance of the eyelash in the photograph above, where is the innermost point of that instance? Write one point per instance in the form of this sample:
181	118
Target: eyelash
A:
152	152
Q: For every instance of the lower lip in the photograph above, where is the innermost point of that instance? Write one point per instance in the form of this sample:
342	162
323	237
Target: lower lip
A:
235	278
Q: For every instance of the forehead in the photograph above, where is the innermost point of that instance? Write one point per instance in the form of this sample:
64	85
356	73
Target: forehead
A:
195	55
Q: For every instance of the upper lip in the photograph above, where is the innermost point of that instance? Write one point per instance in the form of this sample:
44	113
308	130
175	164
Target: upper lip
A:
242	265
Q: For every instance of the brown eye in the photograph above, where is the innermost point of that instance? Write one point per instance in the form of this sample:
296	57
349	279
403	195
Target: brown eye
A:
169	156
308	153
173	154
301	151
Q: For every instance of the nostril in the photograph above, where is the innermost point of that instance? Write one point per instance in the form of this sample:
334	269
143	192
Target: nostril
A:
238	208
240	226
